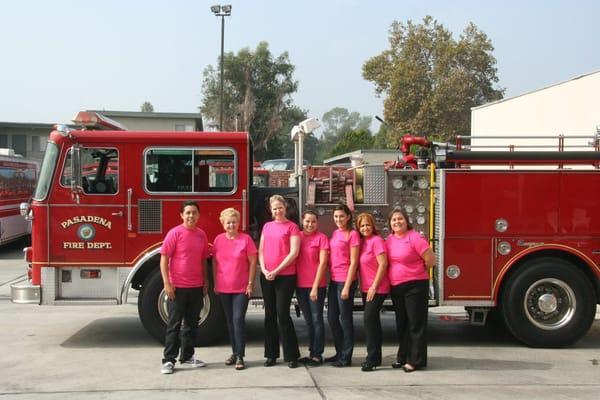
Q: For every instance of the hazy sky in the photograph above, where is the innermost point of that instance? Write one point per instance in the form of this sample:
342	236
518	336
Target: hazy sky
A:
61	56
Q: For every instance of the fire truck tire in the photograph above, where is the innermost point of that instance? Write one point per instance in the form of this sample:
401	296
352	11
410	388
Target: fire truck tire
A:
152	309
548	302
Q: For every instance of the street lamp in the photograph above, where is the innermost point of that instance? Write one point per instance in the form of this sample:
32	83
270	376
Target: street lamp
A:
222	11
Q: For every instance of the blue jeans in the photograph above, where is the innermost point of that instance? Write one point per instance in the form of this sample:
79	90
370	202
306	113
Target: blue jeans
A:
187	306
235	306
313	315
339	316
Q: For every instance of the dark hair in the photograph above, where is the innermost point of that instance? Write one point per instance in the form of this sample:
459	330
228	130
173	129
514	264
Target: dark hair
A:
404	214
346	210
189	203
311	212
368	217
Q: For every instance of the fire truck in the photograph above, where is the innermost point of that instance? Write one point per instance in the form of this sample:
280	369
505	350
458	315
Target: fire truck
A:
17	182
512	240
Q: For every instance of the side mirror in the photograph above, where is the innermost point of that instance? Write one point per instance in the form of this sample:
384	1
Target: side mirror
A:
76	188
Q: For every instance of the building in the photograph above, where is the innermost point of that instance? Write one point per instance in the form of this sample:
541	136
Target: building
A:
29	139
367	156
155	121
26	139
570	108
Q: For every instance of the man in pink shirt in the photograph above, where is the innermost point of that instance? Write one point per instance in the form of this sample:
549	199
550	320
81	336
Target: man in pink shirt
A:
183	269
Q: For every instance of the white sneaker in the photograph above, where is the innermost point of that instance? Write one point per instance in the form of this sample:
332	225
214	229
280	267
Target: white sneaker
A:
194	362
167	368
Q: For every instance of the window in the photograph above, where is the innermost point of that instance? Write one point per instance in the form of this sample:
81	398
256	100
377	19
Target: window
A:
99	171
4	141
19	144
190	170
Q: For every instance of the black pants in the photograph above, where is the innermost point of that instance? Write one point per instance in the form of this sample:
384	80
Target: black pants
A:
277	295
372	324
339	316
410	304
313	316
186	306
235	306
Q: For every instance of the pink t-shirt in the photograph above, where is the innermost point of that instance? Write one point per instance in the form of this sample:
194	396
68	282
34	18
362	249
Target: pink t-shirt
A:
276	237
231	256
186	249
308	259
371	247
340	243
404	257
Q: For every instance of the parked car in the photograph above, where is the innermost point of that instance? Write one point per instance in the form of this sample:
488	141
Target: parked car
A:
281	164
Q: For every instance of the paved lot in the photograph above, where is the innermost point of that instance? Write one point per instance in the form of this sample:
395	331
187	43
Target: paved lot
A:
103	352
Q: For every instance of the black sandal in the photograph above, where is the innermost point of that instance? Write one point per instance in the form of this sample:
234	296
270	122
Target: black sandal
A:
239	364
231	360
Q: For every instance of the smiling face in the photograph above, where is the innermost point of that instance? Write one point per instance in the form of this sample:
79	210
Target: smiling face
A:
278	210
398	223
189	216
365	227
341	219
309	223
231	225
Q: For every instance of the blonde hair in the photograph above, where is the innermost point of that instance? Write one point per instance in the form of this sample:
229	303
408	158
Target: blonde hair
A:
279	198
229	212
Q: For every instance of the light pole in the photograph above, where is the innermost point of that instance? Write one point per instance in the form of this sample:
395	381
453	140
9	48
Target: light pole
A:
222	11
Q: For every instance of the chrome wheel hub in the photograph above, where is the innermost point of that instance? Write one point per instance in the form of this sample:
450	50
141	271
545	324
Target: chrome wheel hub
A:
549	304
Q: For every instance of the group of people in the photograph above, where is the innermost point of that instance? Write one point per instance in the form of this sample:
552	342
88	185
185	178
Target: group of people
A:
293	260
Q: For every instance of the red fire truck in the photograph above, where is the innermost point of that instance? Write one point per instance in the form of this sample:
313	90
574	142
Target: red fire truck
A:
521	243
17	182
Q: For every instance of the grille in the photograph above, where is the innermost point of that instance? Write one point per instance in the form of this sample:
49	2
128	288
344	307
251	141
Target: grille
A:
149	216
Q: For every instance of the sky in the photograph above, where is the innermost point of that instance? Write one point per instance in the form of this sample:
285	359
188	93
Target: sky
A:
62	56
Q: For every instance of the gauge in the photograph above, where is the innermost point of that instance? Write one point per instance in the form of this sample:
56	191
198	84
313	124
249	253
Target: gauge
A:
422	183
421	208
420	219
397	183
409	208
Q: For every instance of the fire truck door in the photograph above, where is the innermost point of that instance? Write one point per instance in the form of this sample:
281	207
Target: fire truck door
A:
91	231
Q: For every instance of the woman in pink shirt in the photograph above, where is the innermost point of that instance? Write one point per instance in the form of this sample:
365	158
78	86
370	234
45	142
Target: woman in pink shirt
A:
234	268
374	286
344	245
409	257
277	252
311	284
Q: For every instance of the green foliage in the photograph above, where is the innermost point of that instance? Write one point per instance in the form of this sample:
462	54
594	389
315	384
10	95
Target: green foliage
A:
257	90
353	140
147	107
336	123
431	80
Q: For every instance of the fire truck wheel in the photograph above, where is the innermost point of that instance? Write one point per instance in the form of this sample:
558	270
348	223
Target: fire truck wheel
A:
548	302
152	309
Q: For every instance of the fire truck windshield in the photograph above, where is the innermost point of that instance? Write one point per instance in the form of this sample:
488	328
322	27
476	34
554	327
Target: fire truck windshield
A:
48	166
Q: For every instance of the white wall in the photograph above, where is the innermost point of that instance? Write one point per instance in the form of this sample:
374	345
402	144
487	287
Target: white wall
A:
569	108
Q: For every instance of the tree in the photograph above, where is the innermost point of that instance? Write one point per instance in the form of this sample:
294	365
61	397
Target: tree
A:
431	80
337	122
257	90
147	107
353	140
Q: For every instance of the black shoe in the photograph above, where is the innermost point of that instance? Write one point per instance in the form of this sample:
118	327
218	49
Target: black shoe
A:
332	358
303	360
341	364
269	362
314	361
366	366
293	364
239	364
398	365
